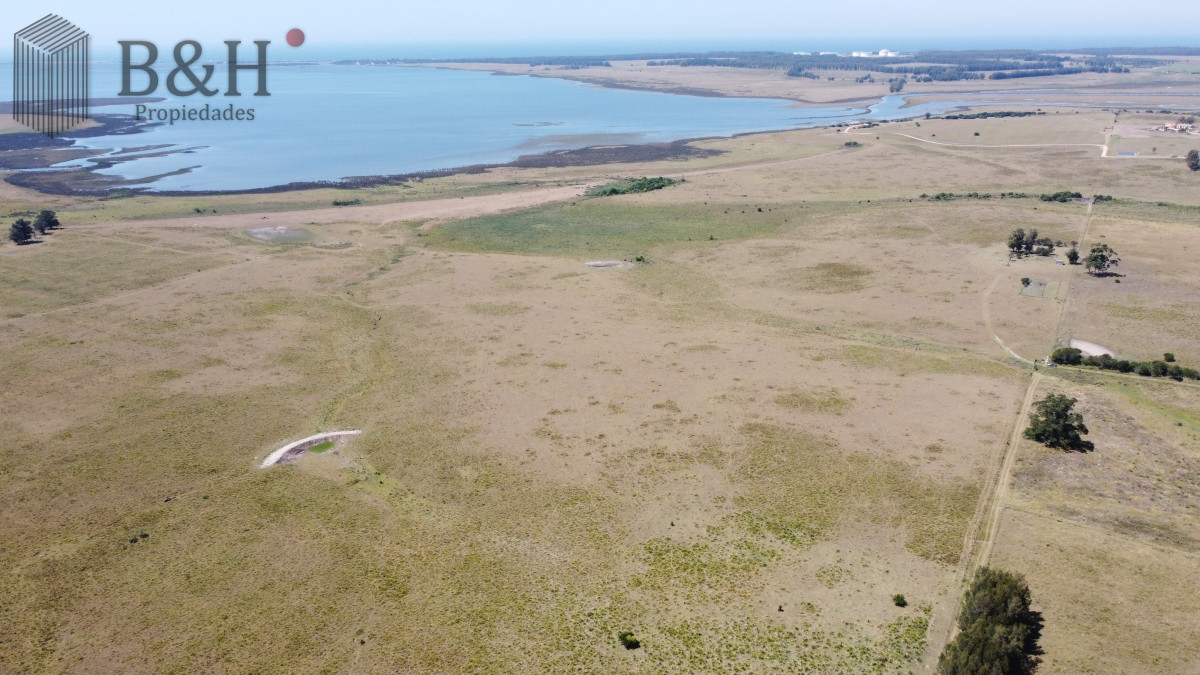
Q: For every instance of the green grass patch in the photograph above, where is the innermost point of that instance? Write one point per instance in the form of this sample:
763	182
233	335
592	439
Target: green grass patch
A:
829	402
800	487
323	447
498	308
71	271
908	362
603	229
748	644
829	277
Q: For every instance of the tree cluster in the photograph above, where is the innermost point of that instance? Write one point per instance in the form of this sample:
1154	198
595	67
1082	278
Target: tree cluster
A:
1064	196
1021	242
951	196
1069	356
998	631
987	115
21	231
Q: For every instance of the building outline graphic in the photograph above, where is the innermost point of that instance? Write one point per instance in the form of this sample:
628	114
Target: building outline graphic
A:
50	75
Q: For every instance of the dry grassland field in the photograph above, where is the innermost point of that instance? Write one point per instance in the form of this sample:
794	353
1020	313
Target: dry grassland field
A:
802	397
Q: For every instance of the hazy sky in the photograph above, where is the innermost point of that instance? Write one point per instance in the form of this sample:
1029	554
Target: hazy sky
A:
779	24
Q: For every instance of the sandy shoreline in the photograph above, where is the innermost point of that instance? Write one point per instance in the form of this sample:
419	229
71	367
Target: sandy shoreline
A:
86	182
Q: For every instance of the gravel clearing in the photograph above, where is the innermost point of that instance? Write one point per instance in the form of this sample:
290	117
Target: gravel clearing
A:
608	264
1091	348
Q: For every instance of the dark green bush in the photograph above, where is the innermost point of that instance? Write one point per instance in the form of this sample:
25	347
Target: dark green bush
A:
1055	424
998	631
631	186
1064	196
1067	356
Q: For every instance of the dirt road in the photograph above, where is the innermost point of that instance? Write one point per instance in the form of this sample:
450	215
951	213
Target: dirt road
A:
427	210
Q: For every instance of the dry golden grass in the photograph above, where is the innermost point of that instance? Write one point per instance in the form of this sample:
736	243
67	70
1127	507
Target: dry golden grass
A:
1123	519
799	412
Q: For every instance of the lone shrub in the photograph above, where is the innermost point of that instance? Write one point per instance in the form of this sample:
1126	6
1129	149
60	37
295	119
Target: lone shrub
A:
628	641
899	601
20	232
1055	424
1100	259
46	220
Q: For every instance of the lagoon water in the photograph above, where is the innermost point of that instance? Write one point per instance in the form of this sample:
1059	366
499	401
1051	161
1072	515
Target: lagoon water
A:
328	122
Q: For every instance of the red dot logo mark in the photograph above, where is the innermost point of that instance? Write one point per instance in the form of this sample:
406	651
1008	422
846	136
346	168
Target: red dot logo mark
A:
295	37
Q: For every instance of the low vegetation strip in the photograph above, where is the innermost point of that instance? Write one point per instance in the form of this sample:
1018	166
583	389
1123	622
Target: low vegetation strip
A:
997	113
1166	367
631	186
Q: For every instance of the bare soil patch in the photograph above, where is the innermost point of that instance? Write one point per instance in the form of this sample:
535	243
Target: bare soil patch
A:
296	449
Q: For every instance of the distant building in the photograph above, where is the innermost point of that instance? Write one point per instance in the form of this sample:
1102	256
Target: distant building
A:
1180	128
801	53
882	53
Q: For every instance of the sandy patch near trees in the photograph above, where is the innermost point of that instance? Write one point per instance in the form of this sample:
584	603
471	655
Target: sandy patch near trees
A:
1091	348
607	264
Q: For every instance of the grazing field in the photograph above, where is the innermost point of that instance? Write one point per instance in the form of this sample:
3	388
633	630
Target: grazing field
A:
1123	519
796	404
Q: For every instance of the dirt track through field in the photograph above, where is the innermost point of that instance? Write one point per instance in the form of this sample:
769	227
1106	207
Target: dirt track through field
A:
995	494
431	211
414	211
992	524
1103	148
